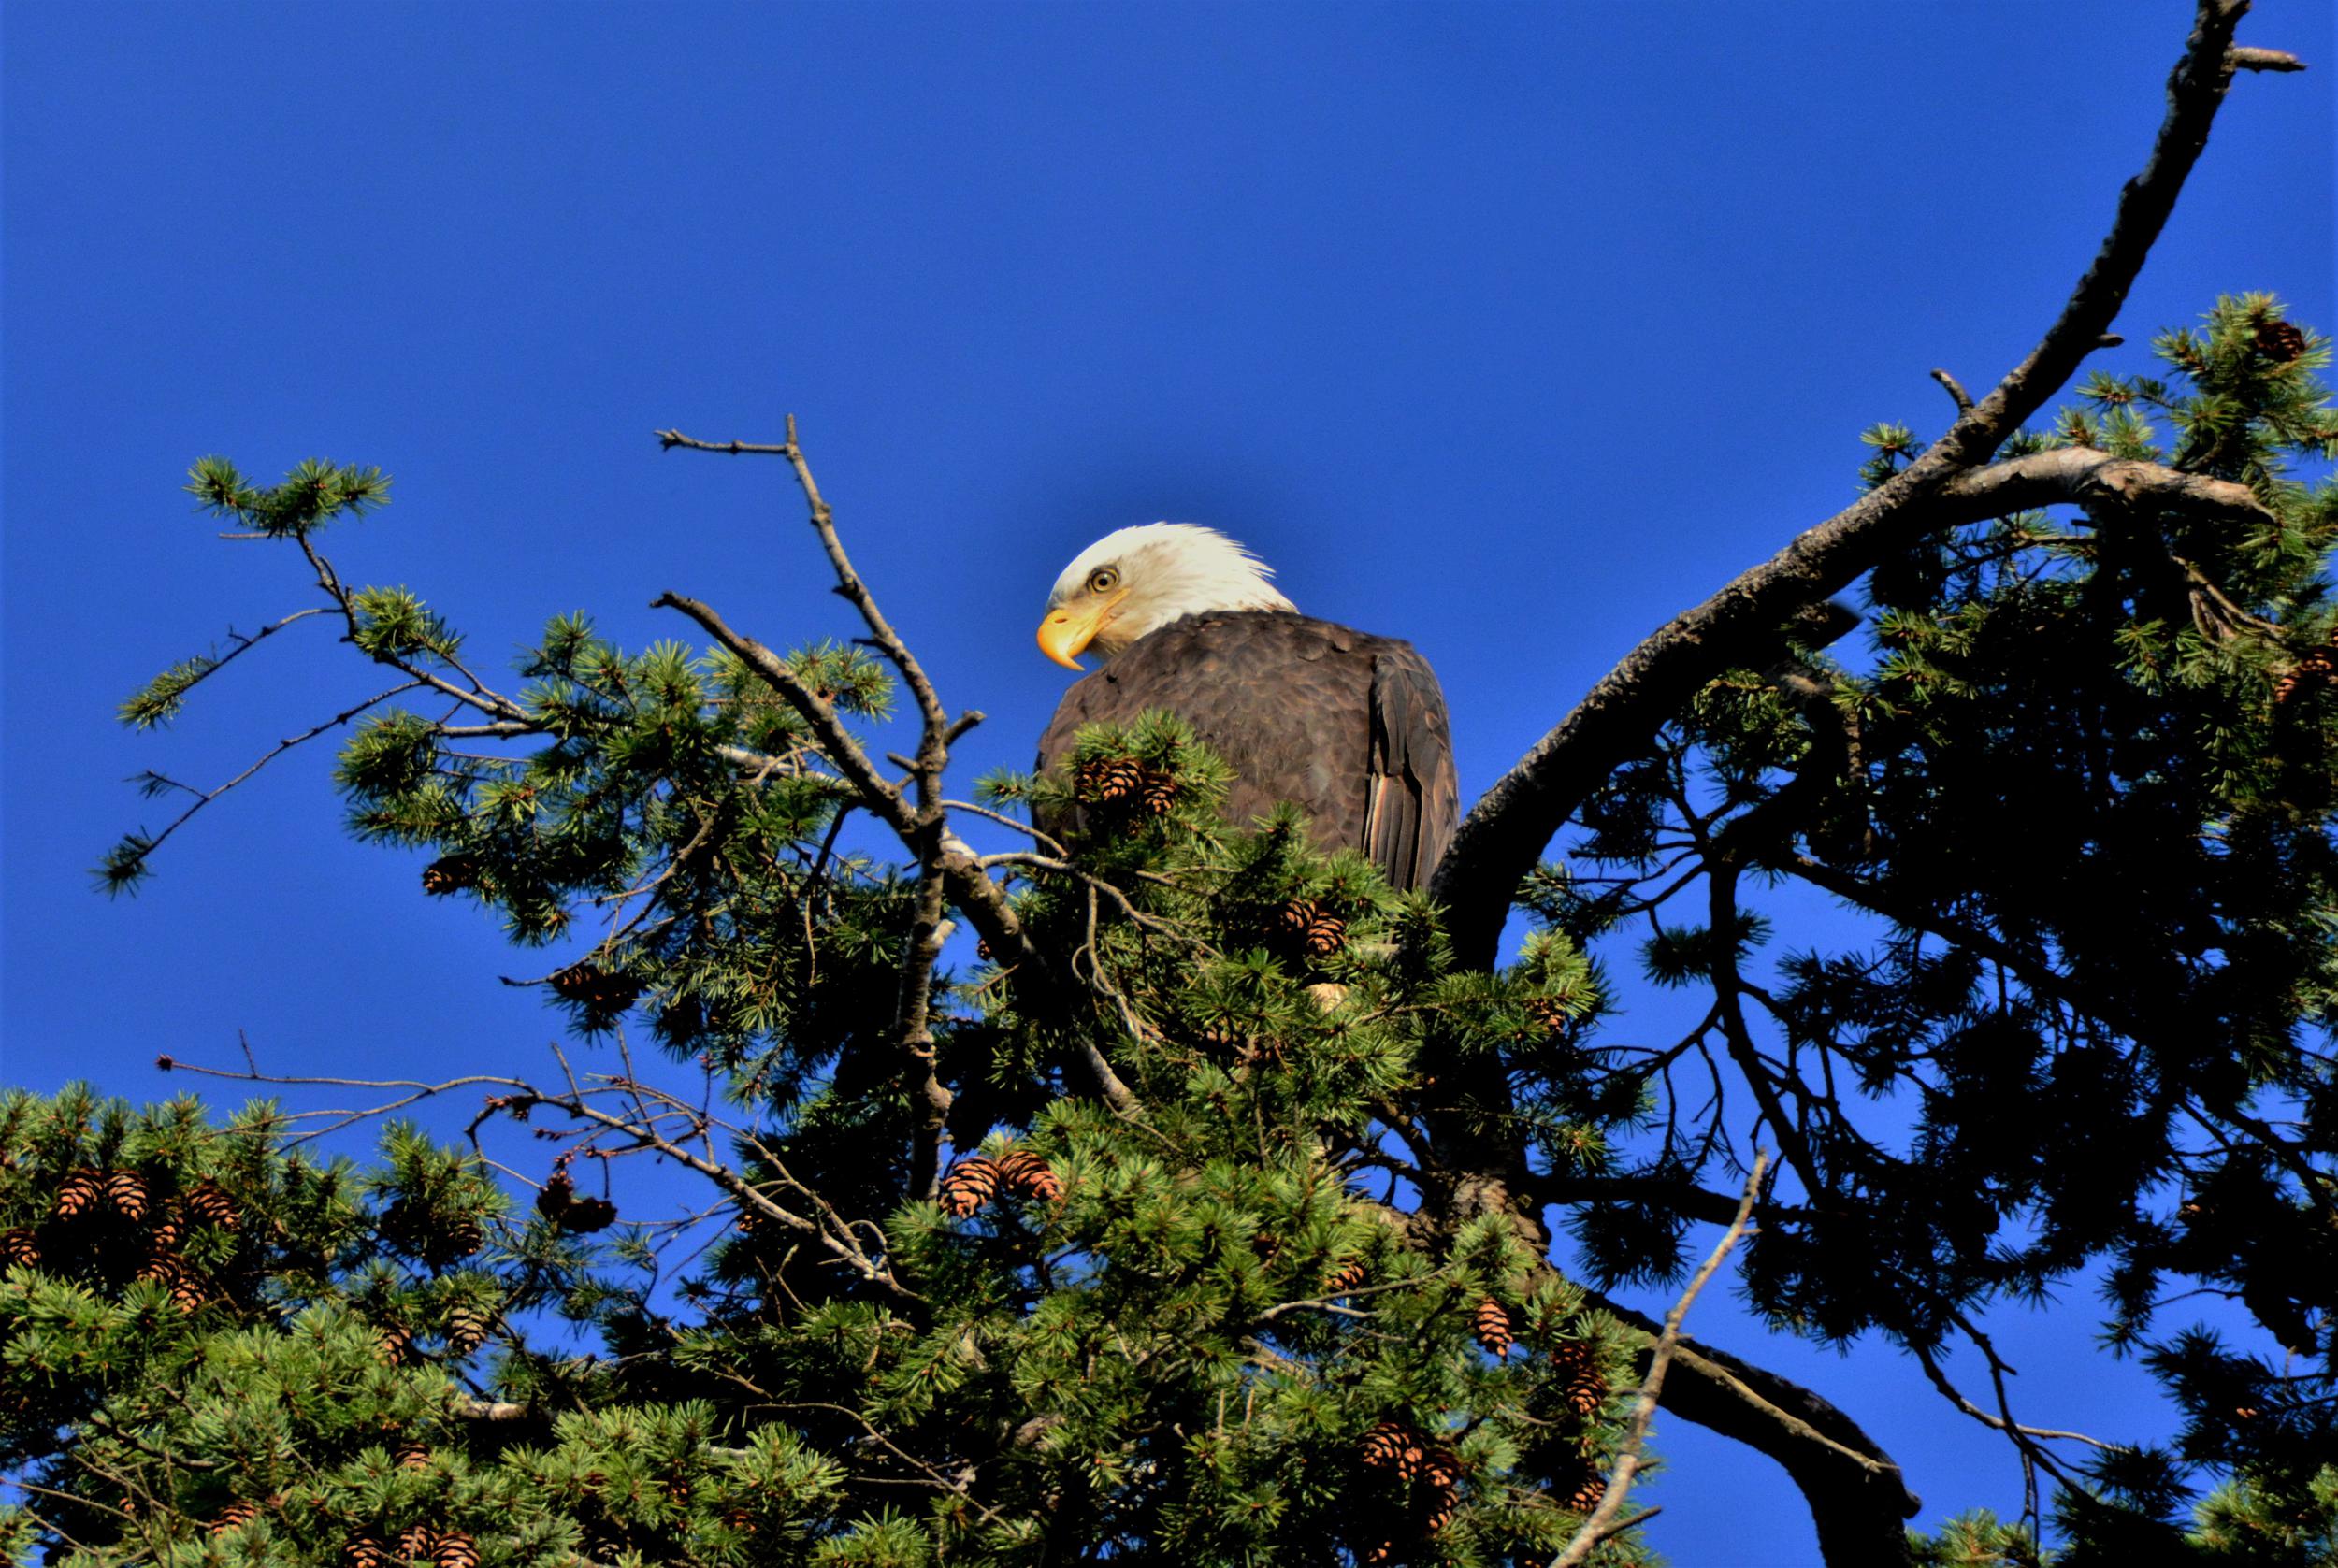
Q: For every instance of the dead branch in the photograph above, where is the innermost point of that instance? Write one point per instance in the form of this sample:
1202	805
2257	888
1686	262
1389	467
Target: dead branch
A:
1596	1527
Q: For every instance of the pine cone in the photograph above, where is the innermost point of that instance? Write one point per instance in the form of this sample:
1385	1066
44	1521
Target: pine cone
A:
127	1195
19	1248
413	1456
1325	935
207	1203
2279	342
172	1273
1384	1446
739	1519
79	1194
982	950
1344	1279
1297	915
1440	1515
165	1235
455	1550
2315	669
450	873
1583	1387
417	1542
1548	1014
461	1238
394	1343
235	1517
596	988
1492	1325
1022	1170
467	1328
558	1194
1159	794
1586	1495
1107	779
969	1186
366	1551
588	1215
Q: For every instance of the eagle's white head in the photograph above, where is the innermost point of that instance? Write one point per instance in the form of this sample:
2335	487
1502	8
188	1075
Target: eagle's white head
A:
1135	580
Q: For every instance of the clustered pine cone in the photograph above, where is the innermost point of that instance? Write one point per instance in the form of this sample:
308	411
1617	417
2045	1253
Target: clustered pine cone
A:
559	1204
975	1182
454	1550
1587	1493
1546	1014
2279	342
969	1185
418	1540
2315	669
168	1270
1316	932
207	1203
1021	1168
1344	1279
1582	1386
79	1194
394	1343
1124	782
413	1456
596	987
235	1517
366	1551
1492	1325
1428	1471
450	873
19	1248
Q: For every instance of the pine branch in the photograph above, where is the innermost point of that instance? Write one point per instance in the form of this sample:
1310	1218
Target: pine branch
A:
1499	841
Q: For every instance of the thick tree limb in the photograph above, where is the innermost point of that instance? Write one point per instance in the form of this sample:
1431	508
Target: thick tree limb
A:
1505	833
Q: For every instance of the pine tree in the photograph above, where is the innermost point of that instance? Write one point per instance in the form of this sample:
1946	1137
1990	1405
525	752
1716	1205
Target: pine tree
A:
1202	1218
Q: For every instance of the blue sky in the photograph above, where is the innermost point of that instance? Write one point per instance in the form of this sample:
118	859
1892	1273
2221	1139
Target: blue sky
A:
1510	329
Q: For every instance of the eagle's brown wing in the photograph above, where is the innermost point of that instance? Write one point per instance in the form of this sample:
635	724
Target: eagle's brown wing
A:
1348	726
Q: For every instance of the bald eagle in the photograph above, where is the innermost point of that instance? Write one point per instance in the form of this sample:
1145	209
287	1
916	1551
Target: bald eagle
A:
1348	726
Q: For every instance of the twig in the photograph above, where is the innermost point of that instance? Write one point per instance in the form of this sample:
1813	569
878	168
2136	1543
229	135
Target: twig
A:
1597	1527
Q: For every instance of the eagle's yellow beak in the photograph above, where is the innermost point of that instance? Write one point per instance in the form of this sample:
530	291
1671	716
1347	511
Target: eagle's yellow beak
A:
1067	631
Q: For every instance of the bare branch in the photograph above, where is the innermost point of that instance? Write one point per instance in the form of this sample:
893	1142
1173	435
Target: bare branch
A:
1594	1529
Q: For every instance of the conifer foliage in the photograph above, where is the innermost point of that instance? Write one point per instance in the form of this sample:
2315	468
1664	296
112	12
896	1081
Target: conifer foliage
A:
1201	1214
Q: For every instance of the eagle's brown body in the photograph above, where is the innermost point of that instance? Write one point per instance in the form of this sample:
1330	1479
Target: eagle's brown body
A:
1348	726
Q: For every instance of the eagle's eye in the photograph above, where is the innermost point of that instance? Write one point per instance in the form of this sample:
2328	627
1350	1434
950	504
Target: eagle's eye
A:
1103	580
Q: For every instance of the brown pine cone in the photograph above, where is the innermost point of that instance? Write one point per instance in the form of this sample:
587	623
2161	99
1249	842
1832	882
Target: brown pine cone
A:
1325	935
413	1456
366	1551
1586	1495
126	1194
2279	342
393	1343
1492	1325
982	950
1108	779
596	988
172	1273
207	1203
588	1215
467	1328
1384	1446
19	1246
1546	1014
455	1550
2315	669
969	1186
739	1519
463	1238
1297	915
1583	1387
450	873
1023	1171
1344	1279
235	1517
417	1542
166	1233
1440	1515
79	1194
1160	793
